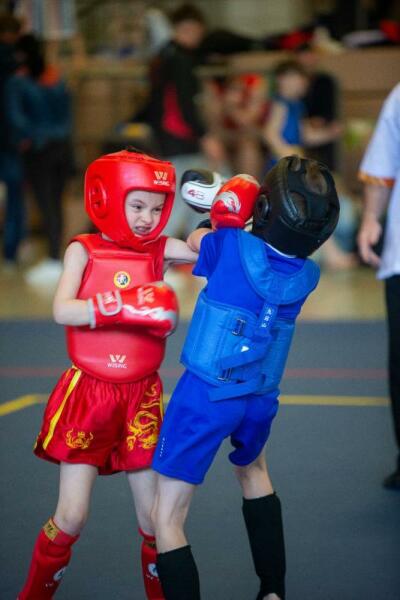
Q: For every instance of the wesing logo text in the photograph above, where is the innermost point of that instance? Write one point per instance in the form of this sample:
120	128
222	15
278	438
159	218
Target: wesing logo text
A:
161	178
117	361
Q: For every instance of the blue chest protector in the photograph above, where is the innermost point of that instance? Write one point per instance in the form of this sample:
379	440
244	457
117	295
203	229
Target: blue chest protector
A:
236	350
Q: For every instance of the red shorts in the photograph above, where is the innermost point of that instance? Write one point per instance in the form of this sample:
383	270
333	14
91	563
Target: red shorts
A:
113	426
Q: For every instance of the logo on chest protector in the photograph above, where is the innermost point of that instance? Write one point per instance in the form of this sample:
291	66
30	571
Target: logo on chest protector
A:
117	361
122	279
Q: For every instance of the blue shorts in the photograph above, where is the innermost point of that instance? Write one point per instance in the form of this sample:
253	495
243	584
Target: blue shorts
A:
194	428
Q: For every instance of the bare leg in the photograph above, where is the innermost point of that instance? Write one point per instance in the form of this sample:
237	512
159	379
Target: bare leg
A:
171	507
248	155
143	488
175	563
76	484
254	478
336	259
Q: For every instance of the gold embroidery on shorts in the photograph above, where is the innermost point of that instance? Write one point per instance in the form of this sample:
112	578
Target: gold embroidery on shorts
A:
153	392
144	427
50	529
80	440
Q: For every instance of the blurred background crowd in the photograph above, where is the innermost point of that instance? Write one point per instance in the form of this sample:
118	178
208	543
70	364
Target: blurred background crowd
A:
223	84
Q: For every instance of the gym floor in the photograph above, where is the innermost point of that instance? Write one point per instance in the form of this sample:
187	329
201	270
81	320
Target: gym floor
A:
330	447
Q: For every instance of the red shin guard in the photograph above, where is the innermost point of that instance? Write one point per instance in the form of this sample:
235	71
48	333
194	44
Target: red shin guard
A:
51	555
151	581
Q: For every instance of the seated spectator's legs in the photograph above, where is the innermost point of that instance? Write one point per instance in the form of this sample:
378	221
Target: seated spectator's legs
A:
11	175
346	230
248	157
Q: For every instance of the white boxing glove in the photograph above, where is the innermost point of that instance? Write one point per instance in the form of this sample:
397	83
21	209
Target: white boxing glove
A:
199	188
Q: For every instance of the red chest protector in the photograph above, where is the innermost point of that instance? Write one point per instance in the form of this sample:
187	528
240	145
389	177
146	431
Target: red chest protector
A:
116	353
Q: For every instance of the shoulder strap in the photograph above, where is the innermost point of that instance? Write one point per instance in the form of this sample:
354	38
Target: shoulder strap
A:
277	288
90	241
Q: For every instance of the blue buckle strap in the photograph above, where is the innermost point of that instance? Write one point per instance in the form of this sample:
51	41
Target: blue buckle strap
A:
246	357
235	390
262	335
241	325
226	375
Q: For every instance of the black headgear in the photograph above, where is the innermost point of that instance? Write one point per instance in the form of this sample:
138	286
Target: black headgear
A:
297	208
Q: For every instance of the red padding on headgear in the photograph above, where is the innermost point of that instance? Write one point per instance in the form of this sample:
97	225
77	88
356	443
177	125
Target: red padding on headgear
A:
109	178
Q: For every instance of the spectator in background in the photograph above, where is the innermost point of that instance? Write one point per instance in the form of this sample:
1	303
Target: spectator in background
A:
380	172
288	131
10	163
39	113
239	107
55	22
321	104
158	29
173	109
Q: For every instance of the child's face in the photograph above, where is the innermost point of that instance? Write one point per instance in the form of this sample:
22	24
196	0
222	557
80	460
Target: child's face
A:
143	210
189	34
292	85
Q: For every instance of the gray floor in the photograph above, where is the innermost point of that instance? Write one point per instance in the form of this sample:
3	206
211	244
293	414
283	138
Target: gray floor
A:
327	462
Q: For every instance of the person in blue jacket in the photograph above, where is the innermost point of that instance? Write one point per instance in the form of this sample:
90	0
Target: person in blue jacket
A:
38	110
10	161
235	353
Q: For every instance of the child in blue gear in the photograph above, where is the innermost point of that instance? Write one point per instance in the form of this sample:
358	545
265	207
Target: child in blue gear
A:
235	354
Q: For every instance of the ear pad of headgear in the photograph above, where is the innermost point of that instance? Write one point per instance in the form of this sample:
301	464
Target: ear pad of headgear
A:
261	208
303	206
98	199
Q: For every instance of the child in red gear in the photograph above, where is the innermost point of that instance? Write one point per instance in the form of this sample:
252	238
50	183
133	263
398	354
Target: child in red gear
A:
105	412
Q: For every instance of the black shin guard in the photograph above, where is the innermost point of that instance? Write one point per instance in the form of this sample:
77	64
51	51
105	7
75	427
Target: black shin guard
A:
263	518
178	574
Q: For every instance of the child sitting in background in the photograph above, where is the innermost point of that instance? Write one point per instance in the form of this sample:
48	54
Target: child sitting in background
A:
287	131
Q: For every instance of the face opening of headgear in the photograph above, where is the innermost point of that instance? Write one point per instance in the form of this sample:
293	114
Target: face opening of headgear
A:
297	208
108	180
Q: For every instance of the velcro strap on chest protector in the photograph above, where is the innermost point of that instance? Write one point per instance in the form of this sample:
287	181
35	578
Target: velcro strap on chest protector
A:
216	331
246	372
233	350
263	367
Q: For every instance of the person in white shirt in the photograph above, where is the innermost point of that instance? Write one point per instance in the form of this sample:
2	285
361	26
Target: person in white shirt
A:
380	172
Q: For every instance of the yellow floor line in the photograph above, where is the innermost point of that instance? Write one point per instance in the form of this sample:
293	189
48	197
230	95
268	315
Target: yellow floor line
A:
21	402
25	401
335	400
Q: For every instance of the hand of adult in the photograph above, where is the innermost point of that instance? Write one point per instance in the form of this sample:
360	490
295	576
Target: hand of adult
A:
369	235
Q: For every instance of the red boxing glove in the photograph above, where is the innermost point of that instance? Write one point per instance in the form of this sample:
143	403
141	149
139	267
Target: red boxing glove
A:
152	305
234	203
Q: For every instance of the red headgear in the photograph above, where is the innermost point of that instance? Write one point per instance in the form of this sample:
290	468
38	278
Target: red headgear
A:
109	178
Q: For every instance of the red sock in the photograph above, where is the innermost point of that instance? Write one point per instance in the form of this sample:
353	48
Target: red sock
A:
51	555
151	581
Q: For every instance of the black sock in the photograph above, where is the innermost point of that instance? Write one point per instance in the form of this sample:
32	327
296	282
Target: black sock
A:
263	518
178	574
